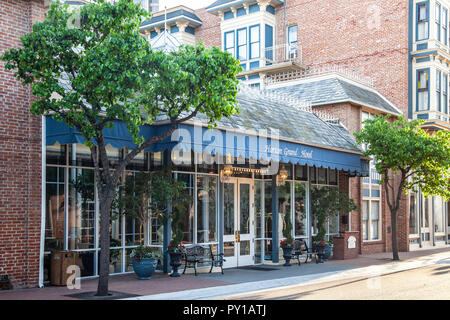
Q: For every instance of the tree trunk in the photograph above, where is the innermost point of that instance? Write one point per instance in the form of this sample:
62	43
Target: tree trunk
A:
105	217
395	255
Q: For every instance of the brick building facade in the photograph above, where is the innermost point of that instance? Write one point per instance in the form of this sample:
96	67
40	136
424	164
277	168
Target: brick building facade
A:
20	156
367	38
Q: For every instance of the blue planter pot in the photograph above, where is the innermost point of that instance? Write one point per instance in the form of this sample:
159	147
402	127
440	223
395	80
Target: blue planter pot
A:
144	268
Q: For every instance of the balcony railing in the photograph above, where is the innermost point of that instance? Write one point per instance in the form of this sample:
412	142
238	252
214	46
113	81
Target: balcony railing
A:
283	53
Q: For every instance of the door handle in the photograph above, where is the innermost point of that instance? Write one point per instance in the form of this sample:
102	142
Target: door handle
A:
237	236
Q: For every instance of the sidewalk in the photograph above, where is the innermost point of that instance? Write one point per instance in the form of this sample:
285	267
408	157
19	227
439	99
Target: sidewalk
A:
241	280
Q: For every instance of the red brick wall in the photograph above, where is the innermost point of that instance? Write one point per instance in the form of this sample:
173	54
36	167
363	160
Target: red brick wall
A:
347	33
209	33
20	156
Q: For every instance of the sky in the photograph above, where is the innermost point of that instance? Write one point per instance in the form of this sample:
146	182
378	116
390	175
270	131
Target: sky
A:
193	4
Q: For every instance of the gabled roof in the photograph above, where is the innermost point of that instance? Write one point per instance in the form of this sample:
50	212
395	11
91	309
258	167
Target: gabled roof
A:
165	42
262	111
336	89
172	17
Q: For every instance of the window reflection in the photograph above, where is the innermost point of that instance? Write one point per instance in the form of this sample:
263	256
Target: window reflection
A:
81	224
206	208
300	209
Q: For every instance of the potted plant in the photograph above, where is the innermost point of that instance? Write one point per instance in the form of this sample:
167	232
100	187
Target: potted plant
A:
145	260
326	203
287	245
177	198
175	252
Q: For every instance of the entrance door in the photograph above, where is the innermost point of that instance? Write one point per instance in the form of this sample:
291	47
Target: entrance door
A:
238	223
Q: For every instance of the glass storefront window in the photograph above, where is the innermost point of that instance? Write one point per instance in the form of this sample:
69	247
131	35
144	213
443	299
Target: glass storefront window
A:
365	214
81	219
134	232
301	173
284	204
258	209
312	175
140	162
439	213
56	154
374	220
268	209
80	156
300	227
55	213
206	208
333	176
187	218
413	225
322	175
115	261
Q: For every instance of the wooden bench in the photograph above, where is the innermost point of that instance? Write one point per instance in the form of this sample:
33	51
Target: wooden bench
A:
302	249
202	254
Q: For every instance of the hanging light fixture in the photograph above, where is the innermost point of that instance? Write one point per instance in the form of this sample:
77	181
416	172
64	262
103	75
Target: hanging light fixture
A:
282	176
226	173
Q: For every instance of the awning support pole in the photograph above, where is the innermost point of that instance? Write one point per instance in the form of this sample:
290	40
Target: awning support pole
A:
275	222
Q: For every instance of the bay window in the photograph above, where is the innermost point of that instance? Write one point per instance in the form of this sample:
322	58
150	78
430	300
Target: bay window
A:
438	90
229	43
255	42
422	90
422	21
438	21
242	44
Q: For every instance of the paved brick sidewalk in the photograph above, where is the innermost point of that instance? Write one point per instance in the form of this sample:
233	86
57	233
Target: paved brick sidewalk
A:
162	283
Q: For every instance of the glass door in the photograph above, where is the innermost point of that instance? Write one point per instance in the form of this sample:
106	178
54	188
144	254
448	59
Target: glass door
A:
245	232
238	235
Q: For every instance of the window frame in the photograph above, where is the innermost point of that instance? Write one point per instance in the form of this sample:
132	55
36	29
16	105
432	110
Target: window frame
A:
437	18
421	89
425	20
251	42
225	44
238	46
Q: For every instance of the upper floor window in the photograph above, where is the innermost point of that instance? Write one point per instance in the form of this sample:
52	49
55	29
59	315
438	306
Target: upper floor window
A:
149	5
422	90
229	43
444	92
255	42
445	25
438	21
292	39
438	89
242	44
422	21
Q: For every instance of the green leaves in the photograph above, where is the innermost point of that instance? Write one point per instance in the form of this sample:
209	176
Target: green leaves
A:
92	66
422	158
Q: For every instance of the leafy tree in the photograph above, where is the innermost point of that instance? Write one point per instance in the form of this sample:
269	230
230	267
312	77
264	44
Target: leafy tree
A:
326	203
158	193
92	67
408	158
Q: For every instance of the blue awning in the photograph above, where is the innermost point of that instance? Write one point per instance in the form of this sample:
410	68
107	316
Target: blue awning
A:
224	142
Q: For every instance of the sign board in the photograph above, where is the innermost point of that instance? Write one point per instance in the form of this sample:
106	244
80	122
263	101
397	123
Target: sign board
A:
351	242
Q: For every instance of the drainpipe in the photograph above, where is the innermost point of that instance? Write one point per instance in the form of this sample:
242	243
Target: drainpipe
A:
43	202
